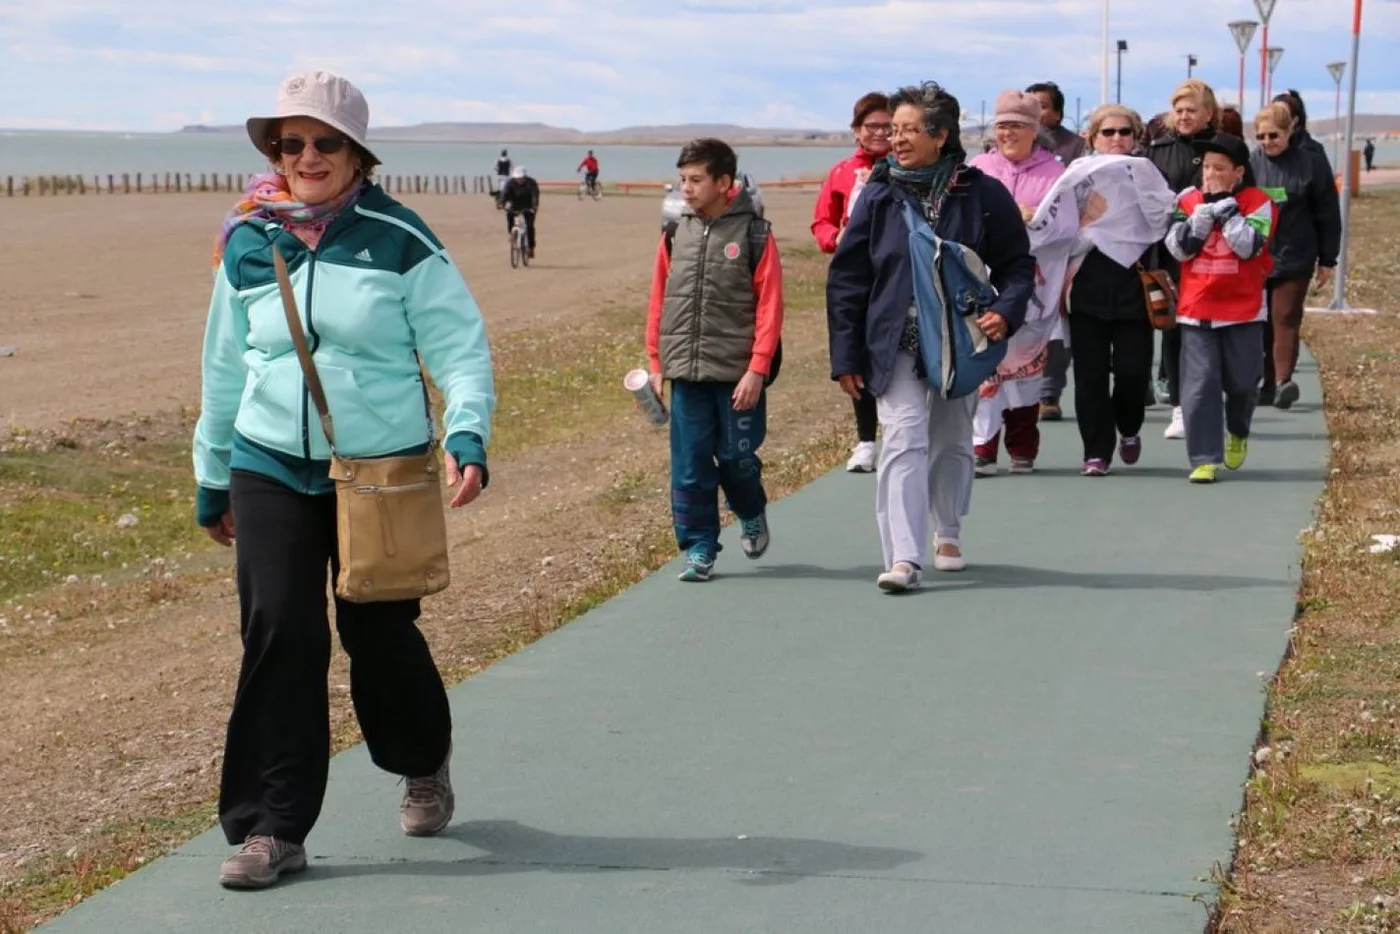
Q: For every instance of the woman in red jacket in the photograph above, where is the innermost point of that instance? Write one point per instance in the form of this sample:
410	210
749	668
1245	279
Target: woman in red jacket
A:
871	125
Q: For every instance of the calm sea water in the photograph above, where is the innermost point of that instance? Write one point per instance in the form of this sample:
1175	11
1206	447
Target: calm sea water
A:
33	153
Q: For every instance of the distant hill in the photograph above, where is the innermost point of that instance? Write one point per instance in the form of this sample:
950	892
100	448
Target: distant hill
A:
1366	125
542	133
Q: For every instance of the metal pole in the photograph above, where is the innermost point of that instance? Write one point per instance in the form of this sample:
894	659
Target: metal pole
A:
1119	98
1243	32
1266	11
1339	294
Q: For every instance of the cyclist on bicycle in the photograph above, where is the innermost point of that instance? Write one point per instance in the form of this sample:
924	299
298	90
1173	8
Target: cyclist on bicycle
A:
522	196
589	166
502	175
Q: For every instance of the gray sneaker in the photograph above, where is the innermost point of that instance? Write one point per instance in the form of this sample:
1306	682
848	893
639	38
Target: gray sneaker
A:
755	536
428	802
260	861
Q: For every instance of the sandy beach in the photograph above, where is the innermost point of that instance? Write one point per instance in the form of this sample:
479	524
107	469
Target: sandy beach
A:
104	298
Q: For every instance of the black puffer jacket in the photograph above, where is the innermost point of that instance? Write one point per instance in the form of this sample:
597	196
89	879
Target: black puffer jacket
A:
1179	164
1302	139
1309	229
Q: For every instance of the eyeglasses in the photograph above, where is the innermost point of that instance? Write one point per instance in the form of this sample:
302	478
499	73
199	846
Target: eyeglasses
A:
1116	131
295	145
879	129
1267	136
903	131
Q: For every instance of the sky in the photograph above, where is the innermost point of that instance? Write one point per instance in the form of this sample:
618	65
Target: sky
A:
155	65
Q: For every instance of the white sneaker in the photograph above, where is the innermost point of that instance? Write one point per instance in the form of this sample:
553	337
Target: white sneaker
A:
1177	429
862	458
903	576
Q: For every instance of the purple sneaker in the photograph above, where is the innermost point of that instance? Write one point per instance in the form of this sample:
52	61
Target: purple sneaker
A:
1130	449
1095	467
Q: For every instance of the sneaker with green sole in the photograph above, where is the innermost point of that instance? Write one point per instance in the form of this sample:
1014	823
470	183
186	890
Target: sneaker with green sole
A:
1236	450
1206	473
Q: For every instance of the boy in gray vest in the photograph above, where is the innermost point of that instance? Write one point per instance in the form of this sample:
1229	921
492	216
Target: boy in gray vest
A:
713	329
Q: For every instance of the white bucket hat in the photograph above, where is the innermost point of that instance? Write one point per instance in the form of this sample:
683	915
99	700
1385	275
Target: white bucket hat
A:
322	96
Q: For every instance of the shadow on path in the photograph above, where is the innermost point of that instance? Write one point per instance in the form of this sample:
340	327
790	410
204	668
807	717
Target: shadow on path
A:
512	847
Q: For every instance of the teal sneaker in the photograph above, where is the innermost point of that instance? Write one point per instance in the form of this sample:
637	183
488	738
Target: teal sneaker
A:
755	536
698	567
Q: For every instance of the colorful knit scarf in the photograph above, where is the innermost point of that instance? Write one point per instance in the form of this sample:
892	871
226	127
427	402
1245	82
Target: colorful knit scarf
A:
268	198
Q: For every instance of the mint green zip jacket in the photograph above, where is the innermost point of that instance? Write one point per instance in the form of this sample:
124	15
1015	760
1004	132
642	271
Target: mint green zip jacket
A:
378	287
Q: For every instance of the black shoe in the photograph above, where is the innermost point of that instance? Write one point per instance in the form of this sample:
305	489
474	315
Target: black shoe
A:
1267	395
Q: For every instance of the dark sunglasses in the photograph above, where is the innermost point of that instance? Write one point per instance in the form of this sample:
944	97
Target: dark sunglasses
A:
1267	136
1116	131
295	145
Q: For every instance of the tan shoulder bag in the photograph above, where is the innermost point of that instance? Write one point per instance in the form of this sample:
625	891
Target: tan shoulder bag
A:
390	525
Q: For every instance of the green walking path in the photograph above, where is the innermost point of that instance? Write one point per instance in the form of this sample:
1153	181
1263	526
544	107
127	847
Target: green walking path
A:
1053	741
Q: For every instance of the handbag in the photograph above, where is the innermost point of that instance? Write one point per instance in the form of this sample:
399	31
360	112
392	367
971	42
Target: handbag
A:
391	531
1159	296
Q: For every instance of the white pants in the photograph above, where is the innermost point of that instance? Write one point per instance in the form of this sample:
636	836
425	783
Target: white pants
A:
925	465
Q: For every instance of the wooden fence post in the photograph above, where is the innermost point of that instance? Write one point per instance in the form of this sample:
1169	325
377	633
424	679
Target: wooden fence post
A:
26	186
167	182
10	186
240	183
82	186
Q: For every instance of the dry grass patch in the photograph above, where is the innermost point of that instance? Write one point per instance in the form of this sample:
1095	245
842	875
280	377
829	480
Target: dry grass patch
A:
1319	837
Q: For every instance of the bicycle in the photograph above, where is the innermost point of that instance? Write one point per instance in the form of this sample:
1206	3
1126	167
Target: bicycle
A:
519	242
591	188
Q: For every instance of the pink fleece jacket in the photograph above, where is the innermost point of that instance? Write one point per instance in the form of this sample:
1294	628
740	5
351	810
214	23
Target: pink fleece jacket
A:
1029	180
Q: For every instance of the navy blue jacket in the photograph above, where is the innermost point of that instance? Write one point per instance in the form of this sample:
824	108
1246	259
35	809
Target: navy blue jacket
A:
870	286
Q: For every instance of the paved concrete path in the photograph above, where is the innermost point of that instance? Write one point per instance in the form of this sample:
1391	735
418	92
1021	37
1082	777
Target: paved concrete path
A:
1053	741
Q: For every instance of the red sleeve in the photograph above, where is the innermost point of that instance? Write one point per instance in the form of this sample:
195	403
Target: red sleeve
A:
660	271
768	323
829	213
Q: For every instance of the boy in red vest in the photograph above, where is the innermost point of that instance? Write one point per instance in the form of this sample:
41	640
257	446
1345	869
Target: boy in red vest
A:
1221	237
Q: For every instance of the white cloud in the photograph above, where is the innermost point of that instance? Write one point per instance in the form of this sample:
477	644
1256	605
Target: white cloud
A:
605	63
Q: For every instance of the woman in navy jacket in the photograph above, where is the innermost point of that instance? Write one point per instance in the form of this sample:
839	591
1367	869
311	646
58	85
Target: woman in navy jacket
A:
926	463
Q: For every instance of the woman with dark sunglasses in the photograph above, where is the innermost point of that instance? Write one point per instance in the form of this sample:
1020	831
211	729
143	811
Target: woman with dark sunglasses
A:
378	298
1111	339
1307	236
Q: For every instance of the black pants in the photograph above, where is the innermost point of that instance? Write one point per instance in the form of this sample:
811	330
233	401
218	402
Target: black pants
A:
1104	349
529	224
277	753
867	417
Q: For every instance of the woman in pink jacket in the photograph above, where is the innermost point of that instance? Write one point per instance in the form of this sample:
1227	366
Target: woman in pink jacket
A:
1028	170
870	123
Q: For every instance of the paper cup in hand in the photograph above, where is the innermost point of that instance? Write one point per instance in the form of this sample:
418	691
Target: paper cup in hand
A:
638	383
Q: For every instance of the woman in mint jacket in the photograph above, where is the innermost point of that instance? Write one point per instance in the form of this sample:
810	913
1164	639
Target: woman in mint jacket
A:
376	293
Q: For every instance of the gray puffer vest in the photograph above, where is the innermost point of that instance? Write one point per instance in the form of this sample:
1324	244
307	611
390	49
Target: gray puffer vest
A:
710	310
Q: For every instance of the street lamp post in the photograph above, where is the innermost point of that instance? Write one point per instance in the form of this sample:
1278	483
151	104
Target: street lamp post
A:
1243	31
1122	47
1339	294
1266	10
1337	70
1275	56
1191	63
